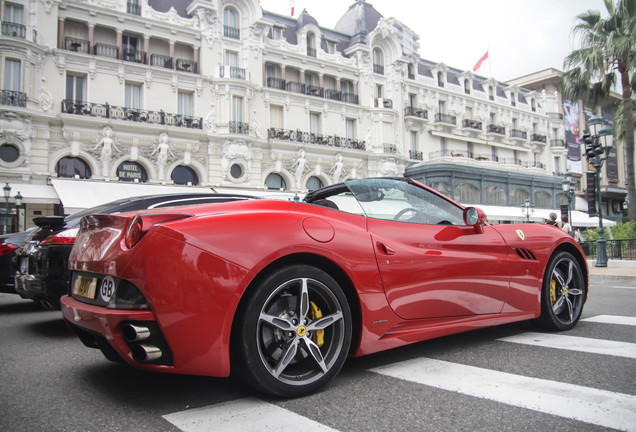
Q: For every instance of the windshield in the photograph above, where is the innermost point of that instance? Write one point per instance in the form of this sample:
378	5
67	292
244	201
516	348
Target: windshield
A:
399	200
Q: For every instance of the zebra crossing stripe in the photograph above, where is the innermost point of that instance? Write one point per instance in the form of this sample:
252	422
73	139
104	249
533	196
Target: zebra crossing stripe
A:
243	415
612	319
575	343
589	405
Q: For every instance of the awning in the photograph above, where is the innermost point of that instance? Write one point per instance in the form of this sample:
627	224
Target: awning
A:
77	195
33	193
514	214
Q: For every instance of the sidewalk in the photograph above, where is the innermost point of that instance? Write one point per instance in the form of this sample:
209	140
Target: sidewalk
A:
616	270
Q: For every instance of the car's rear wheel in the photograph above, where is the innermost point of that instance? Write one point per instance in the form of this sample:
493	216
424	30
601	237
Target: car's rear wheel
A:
563	293
294	332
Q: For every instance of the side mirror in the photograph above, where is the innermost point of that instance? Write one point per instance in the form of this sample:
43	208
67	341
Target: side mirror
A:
476	218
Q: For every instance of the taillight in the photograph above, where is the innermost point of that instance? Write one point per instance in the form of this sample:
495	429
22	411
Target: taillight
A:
140	224
7	248
134	232
66	237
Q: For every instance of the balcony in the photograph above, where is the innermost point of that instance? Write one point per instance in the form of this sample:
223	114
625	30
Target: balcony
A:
314	90
132	55
77	45
472	124
349	98
415	155
379	69
313	138
186	65
496	129
161	61
13	29
295	86
130	114
538	138
14	98
411	111
390	148
232	72
446	119
382	103
105	50
239	128
276	83
231	32
519	134
311	52
557	143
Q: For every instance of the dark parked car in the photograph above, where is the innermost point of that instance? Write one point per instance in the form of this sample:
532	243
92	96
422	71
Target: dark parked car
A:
42	274
9	245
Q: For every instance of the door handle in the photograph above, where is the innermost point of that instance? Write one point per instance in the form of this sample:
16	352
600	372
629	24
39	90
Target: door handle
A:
384	249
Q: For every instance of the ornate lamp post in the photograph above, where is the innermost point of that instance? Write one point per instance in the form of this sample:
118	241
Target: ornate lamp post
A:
597	147
18	210
527	209
7	191
569	187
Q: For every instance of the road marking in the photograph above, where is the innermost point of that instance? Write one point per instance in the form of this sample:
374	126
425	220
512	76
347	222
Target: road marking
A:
243	415
622	287
612	319
575	343
589	405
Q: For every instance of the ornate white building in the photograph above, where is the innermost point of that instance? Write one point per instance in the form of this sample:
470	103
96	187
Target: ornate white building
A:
221	94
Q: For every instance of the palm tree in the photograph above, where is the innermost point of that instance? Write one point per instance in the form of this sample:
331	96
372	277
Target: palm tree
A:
608	49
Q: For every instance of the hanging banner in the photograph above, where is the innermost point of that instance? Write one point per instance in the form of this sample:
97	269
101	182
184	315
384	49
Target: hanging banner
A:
572	119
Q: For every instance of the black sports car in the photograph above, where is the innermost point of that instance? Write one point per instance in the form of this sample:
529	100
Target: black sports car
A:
9	245
42	274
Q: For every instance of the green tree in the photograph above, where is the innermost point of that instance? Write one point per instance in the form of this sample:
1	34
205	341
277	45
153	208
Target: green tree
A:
608	51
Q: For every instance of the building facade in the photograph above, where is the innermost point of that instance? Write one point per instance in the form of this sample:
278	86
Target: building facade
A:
222	94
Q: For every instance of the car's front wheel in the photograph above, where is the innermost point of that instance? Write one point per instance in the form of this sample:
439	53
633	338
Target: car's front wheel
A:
563	294
294	332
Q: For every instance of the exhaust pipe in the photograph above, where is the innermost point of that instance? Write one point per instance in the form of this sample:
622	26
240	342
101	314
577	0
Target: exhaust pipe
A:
145	353
134	333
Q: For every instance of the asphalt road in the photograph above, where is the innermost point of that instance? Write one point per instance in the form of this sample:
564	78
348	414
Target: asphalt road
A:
478	381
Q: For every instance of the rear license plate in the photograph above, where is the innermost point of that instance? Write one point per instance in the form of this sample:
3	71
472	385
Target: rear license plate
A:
85	286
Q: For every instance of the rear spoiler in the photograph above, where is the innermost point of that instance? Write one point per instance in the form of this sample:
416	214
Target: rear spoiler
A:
49	221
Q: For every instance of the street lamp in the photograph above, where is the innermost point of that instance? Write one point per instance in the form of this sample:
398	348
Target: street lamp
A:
569	187
598	145
18	207
527	209
7	191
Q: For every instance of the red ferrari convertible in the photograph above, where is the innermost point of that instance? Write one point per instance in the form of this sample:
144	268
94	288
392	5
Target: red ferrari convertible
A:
284	291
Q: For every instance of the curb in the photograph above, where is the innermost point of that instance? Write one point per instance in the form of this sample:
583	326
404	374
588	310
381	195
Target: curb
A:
617	278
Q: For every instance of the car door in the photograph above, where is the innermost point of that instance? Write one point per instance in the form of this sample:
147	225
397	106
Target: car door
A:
431	264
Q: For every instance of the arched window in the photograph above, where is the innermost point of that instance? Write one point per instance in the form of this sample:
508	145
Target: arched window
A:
184	175
275	182
440	79
519	196
313	183
411	71
542	199
311	44
73	167
130	171
466	193
378	61
467	86
440	187
494	195
230	24
561	199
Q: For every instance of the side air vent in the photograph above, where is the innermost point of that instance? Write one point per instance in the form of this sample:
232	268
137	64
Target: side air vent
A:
525	254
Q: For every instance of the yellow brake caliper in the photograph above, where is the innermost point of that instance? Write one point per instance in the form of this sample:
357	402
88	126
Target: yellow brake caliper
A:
553	291
319	335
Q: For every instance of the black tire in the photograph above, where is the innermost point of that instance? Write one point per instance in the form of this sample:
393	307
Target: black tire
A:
563	294
280	347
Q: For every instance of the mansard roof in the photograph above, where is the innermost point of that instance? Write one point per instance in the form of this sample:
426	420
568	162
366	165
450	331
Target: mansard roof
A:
360	18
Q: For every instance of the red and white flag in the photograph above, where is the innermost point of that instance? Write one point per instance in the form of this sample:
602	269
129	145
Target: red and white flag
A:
292	6
481	60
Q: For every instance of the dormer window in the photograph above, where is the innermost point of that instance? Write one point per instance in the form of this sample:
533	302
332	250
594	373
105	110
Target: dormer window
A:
331	47
378	61
311	45
491	93
411	71
467	86
513	99
276	33
440	79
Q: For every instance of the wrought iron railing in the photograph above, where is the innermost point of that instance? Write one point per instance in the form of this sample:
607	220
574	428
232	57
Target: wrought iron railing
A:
277	83
298	87
445	118
313	138
379	69
390	148
538	138
186	65
130	114
415	112
133	55
231	32
616	249
415	155
497	129
13	29
471	124
516	133
557	143
14	98
240	128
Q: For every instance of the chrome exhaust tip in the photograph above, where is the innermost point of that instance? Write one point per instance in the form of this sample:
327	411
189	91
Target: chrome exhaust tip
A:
146	353
133	333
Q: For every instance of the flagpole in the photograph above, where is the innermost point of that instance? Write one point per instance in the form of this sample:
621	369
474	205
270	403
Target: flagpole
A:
490	61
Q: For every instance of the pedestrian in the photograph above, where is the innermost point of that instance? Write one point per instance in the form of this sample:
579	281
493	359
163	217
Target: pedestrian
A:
553	221
565	225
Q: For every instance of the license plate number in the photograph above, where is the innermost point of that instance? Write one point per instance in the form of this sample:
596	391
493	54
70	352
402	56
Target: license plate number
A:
85	286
